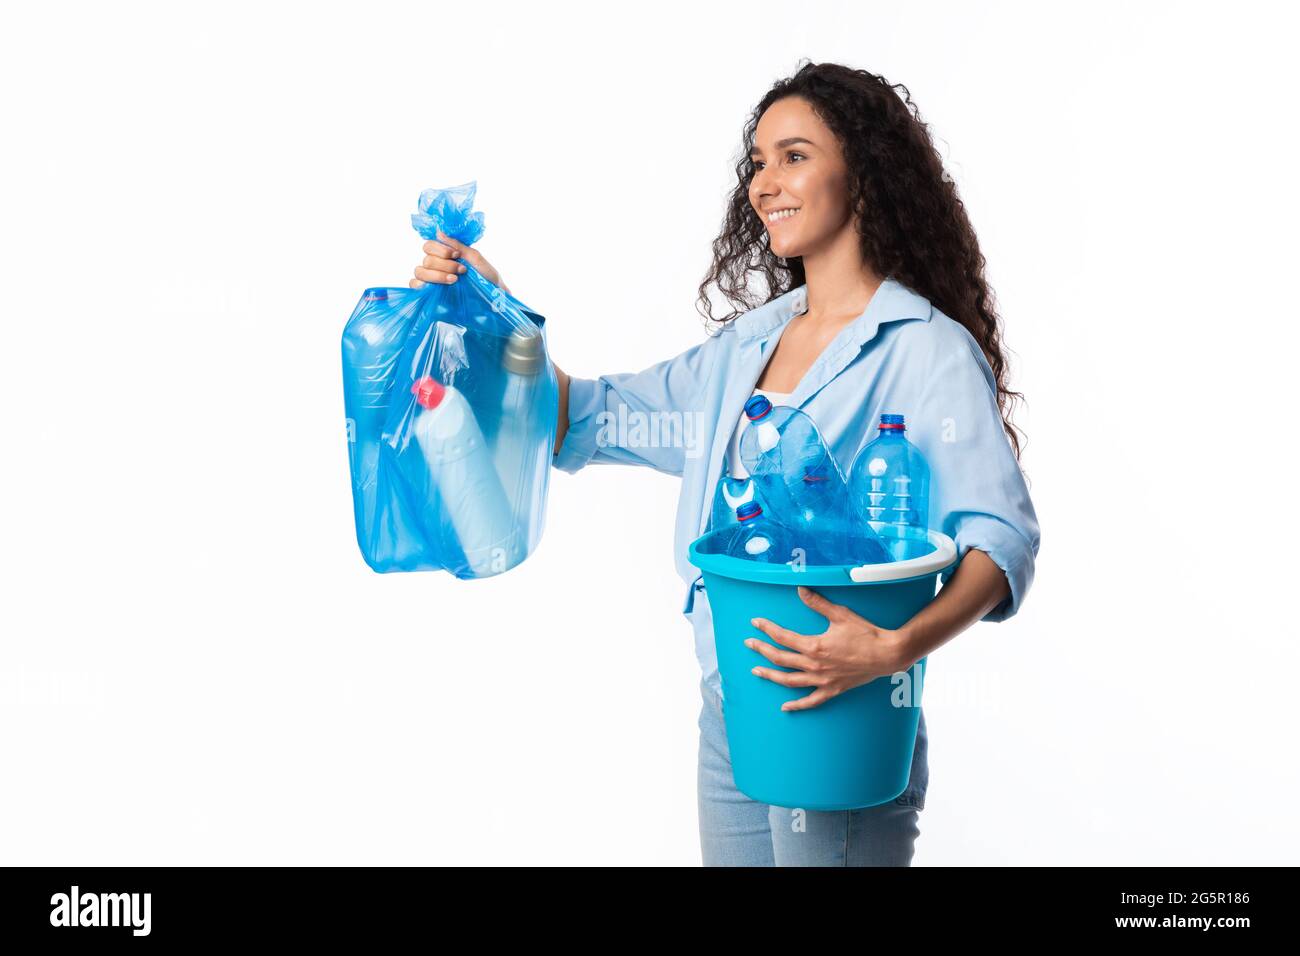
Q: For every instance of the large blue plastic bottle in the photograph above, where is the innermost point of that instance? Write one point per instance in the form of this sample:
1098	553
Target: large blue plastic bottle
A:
889	485
758	537
373	342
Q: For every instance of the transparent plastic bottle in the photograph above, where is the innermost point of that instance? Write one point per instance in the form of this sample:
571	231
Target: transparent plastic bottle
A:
732	492
779	444
758	537
782	441
889	485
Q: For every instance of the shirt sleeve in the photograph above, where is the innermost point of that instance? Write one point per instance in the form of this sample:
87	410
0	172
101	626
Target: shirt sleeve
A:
652	417
978	494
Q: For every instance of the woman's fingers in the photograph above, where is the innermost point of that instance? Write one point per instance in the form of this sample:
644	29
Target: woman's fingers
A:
438	263
415	284
826	608
446	259
778	656
784	678
815	699
441	249
472	256
782	635
434	275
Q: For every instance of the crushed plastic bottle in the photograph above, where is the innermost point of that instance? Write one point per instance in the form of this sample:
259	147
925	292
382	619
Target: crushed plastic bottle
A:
820	521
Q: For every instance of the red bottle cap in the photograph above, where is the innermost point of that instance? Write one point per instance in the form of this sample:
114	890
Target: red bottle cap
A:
428	391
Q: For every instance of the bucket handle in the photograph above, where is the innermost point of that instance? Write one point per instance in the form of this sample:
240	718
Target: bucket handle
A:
944	553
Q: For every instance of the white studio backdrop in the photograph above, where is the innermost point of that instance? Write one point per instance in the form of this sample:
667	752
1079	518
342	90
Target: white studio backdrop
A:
197	668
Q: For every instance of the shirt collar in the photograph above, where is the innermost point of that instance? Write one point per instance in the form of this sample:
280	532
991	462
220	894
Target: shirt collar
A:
892	302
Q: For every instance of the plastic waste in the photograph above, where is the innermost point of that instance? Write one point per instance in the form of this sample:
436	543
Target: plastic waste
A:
782	442
466	477
731	492
889	486
820	521
797	475
758	537
451	402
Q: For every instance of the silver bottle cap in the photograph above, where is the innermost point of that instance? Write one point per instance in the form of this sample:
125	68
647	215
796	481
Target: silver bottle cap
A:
524	353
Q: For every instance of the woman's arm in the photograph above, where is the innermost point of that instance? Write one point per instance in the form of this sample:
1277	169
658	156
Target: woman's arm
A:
647	418
981	502
853	651
975	588
562	416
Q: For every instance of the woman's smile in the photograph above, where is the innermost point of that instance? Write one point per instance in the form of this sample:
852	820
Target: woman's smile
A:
780	215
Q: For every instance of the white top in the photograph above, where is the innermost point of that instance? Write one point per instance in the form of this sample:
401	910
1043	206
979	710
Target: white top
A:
735	466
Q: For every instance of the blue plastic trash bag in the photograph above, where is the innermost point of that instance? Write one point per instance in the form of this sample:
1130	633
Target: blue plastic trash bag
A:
451	403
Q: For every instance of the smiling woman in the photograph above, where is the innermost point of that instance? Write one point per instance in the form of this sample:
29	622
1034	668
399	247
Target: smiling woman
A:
873	300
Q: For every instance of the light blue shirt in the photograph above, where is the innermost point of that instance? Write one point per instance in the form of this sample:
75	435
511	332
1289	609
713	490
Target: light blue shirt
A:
901	356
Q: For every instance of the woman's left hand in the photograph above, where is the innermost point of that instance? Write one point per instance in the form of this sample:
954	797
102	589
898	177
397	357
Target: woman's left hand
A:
850	652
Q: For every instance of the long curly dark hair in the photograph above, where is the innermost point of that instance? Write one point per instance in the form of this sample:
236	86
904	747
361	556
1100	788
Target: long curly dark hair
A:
912	223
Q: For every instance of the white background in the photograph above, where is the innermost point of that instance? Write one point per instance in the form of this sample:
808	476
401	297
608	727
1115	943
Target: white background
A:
196	665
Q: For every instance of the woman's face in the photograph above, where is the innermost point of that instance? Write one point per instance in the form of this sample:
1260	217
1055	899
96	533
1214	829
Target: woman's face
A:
798	166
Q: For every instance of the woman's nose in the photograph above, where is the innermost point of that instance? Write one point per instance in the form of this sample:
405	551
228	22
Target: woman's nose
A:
763	188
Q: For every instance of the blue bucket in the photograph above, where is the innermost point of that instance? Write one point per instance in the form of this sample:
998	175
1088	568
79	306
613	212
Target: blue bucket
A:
855	750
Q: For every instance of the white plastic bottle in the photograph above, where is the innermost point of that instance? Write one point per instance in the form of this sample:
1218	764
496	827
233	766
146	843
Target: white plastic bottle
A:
461	465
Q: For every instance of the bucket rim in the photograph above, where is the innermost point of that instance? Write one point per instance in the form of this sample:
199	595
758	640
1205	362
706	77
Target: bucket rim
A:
940	559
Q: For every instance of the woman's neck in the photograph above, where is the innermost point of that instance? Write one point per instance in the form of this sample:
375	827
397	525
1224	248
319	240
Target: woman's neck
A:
840	284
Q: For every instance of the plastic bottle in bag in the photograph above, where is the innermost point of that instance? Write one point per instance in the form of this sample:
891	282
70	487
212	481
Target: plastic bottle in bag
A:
523	471
370	350
461	465
372	344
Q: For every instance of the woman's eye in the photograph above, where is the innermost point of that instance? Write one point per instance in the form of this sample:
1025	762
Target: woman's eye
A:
756	164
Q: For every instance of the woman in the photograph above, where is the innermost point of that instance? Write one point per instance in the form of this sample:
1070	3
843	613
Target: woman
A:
879	304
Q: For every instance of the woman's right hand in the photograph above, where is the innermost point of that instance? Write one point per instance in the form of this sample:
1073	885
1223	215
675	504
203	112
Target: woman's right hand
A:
444	260
442	263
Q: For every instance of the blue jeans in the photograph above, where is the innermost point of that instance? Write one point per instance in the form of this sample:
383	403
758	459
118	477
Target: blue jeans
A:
738	831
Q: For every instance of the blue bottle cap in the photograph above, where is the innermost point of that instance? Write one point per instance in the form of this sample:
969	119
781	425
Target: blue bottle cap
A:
892	421
750	509
375	295
757	407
